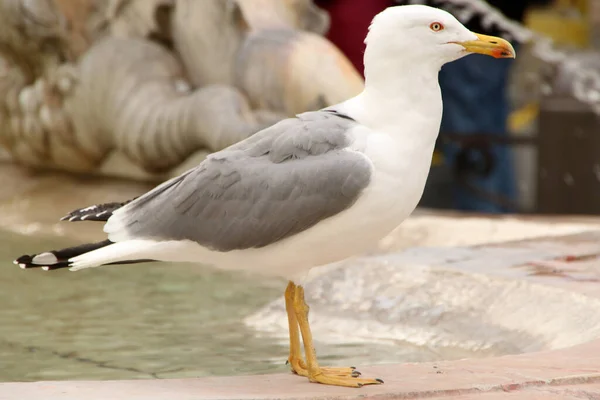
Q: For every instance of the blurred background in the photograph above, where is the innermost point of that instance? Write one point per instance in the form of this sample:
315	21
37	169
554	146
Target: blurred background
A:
101	100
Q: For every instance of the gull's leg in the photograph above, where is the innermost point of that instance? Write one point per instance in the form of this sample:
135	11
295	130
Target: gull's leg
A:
329	376
295	359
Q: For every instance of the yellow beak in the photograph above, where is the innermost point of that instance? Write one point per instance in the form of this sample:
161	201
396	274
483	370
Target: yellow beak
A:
489	45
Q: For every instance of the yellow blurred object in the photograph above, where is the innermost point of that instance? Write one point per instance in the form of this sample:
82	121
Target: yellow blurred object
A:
522	117
562	26
437	159
582	5
567	23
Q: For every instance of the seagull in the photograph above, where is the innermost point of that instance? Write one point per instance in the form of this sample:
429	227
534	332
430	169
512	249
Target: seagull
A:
308	191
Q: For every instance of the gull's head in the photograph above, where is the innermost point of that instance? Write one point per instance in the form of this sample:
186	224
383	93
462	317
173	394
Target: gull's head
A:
421	34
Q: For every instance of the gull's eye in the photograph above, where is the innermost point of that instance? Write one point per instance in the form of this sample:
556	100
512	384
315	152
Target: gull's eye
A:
436	26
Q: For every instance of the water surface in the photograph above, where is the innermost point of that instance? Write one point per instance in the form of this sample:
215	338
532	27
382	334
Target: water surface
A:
120	322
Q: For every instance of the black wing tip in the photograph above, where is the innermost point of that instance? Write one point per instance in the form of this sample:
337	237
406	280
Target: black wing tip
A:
27	262
24	262
23	265
97	212
57	259
73	218
23	259
81	215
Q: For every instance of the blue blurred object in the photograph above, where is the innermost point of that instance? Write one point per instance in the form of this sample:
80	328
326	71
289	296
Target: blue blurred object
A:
475	101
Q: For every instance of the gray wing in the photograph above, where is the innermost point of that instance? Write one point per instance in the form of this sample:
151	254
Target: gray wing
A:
279	182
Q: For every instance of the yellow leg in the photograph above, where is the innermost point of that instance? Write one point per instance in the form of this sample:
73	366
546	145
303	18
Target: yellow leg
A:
295	359
329	376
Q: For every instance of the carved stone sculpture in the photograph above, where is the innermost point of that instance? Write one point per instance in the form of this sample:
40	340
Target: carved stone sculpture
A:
146	88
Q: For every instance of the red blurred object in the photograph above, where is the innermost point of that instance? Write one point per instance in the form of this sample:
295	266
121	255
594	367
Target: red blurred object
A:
350	21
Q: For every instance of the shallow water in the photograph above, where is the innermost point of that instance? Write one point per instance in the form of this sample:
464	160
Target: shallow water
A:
134	321
145	321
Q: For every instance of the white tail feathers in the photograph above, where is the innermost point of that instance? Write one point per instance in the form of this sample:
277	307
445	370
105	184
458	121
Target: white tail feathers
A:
121	251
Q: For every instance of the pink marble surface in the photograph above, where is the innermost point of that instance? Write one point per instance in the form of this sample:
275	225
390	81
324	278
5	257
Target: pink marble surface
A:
566	373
